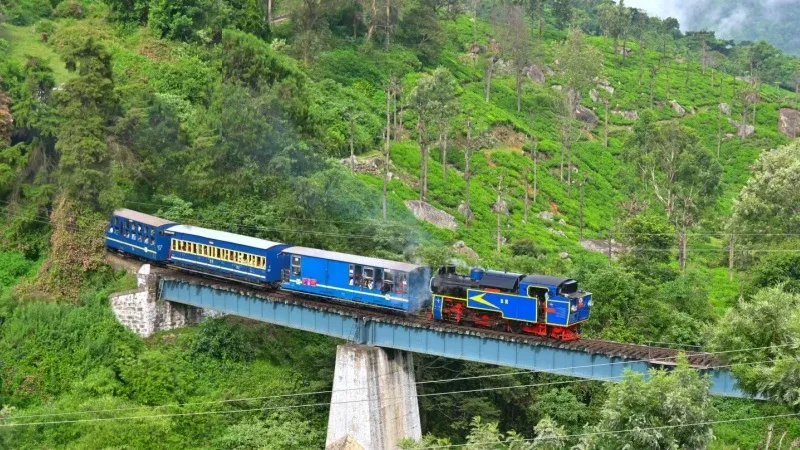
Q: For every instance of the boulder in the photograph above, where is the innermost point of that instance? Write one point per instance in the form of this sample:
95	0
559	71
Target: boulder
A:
461	248
436	217
535	73
557	87
593	95
741	129
546	215
725	108
465	211
586	115
557	232
608	89
500	207
630	115
563	255
562	222
677	108
601	246
372	166
789	122
624	50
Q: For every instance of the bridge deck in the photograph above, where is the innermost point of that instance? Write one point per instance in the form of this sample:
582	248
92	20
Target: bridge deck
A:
585	358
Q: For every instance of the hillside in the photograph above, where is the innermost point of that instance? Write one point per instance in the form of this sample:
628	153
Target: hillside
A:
203	113
771	21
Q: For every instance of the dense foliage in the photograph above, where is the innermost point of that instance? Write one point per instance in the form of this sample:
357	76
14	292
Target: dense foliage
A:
542	127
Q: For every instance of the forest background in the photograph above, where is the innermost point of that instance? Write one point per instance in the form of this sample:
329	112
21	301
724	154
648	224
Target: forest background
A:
549	131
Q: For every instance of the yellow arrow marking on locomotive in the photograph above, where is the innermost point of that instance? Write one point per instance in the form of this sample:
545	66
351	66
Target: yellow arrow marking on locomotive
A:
479	298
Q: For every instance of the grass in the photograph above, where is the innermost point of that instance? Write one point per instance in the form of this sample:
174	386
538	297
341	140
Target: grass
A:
26	42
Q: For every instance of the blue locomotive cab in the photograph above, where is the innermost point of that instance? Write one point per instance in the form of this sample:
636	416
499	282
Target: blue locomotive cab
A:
371	281
563	304
225	255
138	234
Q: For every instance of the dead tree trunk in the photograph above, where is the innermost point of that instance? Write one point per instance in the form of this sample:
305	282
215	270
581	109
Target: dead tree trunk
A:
352	146
527	196
731	245
499	210
489	73
386	149
444	155
467	155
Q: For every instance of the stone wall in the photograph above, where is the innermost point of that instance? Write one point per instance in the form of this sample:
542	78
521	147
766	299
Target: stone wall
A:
140	311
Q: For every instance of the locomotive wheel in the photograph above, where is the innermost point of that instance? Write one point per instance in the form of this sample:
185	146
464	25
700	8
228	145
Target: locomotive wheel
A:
514	327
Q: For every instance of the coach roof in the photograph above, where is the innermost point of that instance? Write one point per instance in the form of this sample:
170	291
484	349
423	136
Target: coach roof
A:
223	236
352	259
146	219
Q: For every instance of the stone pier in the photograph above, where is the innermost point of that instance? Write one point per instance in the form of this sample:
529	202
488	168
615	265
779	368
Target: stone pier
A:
141	311
374	400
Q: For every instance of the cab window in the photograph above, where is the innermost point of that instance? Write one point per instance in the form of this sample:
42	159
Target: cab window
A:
295	265
537	292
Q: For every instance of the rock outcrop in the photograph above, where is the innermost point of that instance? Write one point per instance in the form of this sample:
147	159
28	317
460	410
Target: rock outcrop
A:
680	110
586	116
630	115
594	95
371	166
725	108
789	122
462	249
602	246
535	73
546	215
742	130
465	211
424	211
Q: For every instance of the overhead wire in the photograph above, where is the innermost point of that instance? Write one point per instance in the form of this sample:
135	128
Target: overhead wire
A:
550	372
42	220
330	403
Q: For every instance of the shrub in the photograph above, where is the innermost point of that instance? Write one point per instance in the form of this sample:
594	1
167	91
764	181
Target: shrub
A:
69	8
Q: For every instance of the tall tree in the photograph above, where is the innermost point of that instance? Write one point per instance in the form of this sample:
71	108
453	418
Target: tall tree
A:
516	44
768	325
87	104
684	177
433	99
639	30
637	404
579	64
563	12
767	205
615	19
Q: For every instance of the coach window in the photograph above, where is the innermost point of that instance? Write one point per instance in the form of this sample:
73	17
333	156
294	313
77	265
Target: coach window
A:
369	277
402	283
295	265
356	277
388	281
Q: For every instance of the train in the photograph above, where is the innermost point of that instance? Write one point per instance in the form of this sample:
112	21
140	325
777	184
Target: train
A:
523	304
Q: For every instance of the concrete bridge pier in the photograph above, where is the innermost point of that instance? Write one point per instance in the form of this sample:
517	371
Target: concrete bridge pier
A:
374	400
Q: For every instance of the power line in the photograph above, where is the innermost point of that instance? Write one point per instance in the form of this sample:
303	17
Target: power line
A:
434	394
548	248
289	407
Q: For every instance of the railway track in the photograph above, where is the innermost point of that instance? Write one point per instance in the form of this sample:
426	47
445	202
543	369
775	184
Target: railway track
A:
634	352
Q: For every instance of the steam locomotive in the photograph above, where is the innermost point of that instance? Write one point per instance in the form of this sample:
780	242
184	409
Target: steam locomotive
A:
532	304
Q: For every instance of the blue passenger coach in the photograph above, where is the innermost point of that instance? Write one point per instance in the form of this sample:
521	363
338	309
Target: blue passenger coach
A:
372	281
138	234
225	254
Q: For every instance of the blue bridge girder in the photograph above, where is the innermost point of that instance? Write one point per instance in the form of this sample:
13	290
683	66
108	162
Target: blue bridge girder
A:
396	332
